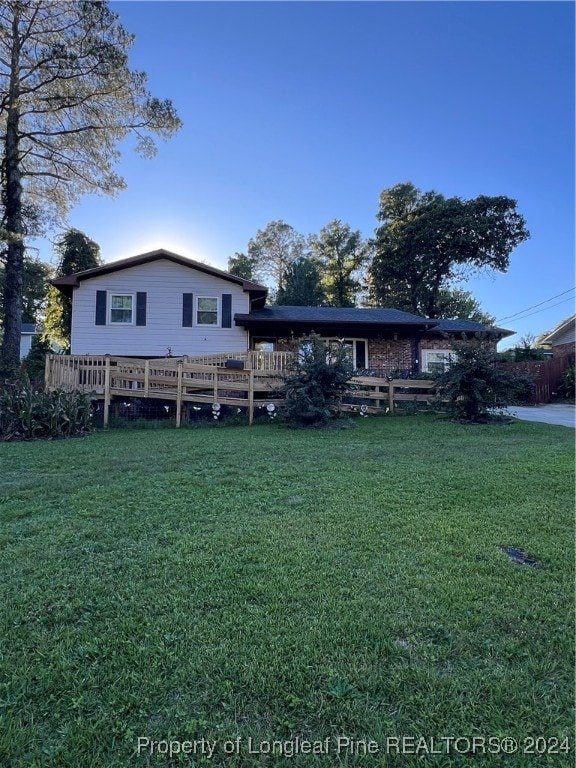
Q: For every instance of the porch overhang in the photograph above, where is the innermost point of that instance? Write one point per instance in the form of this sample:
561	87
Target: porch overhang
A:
285	322
283	329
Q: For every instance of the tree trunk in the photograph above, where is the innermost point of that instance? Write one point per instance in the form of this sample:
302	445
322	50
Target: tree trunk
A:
12	310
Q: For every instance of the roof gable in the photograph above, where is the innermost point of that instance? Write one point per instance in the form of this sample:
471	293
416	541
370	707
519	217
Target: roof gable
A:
562	328
68	282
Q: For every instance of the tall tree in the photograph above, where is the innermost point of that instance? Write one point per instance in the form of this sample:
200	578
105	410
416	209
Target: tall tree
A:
427	242
76	253
302	285
35	282
455	303
67	98
341	253
242	266
273	249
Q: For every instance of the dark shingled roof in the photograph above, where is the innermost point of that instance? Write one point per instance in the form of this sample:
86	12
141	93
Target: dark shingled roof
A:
342	317
28	328
334	315
468	326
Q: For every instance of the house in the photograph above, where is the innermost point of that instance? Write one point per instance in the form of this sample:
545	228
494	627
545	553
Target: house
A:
160	303
27	333
563	339
156	304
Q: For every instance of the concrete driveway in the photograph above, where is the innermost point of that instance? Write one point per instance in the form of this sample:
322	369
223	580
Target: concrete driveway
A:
558	413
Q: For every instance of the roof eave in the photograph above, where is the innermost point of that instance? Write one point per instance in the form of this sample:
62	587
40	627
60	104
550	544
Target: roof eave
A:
251	321
559	331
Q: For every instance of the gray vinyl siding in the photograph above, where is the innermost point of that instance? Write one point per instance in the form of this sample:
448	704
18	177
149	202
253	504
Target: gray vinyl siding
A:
164	283
568	337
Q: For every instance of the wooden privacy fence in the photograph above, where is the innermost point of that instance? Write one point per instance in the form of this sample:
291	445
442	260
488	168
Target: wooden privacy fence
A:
245	381
547	375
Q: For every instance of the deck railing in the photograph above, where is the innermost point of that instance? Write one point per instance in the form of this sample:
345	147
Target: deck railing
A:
208	380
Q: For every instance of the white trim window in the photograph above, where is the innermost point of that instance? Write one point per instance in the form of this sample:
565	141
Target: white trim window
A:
207	310
121	311
436	360
357	348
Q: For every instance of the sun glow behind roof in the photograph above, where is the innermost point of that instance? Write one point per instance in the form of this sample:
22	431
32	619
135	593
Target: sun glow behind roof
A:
165	242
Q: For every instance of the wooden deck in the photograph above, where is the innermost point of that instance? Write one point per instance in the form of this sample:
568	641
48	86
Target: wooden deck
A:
251	377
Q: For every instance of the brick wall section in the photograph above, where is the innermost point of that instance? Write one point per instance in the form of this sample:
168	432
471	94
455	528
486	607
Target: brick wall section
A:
387	355
384	355
284	345
447	343
563	350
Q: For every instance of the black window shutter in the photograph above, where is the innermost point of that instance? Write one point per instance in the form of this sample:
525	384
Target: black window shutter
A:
100	307
226	310
187	305
141	308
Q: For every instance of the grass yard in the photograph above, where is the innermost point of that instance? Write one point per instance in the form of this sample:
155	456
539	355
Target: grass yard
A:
212	586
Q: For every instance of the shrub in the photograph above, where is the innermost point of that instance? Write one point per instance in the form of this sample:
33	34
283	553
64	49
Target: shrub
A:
317	378
567	387
27	413
34	362
474	382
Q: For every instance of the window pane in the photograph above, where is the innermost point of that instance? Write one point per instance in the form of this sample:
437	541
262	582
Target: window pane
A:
207	305
361	354
437	360
264	346
121	302
207	311
207	318
120	309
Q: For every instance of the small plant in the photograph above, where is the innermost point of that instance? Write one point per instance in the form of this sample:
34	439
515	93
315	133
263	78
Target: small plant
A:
474	383
316	381
27	413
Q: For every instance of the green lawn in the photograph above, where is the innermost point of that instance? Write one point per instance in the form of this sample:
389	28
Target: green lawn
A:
268	584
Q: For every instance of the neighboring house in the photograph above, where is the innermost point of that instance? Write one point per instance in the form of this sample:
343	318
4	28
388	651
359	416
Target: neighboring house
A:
27	333
159	302
563	338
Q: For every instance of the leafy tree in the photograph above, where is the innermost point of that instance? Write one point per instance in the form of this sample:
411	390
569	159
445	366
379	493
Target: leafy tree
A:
526	350
302	285
35	361
67	99
273	249
315	382
474	382
35	282
426	242
76	253
342	253
242	266
456	304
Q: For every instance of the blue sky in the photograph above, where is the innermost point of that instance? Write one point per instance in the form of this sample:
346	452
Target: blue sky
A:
306	111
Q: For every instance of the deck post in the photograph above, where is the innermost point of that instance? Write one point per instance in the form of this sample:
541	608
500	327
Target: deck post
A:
250	396
391	395
146	378
179	396
48	371
107	391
